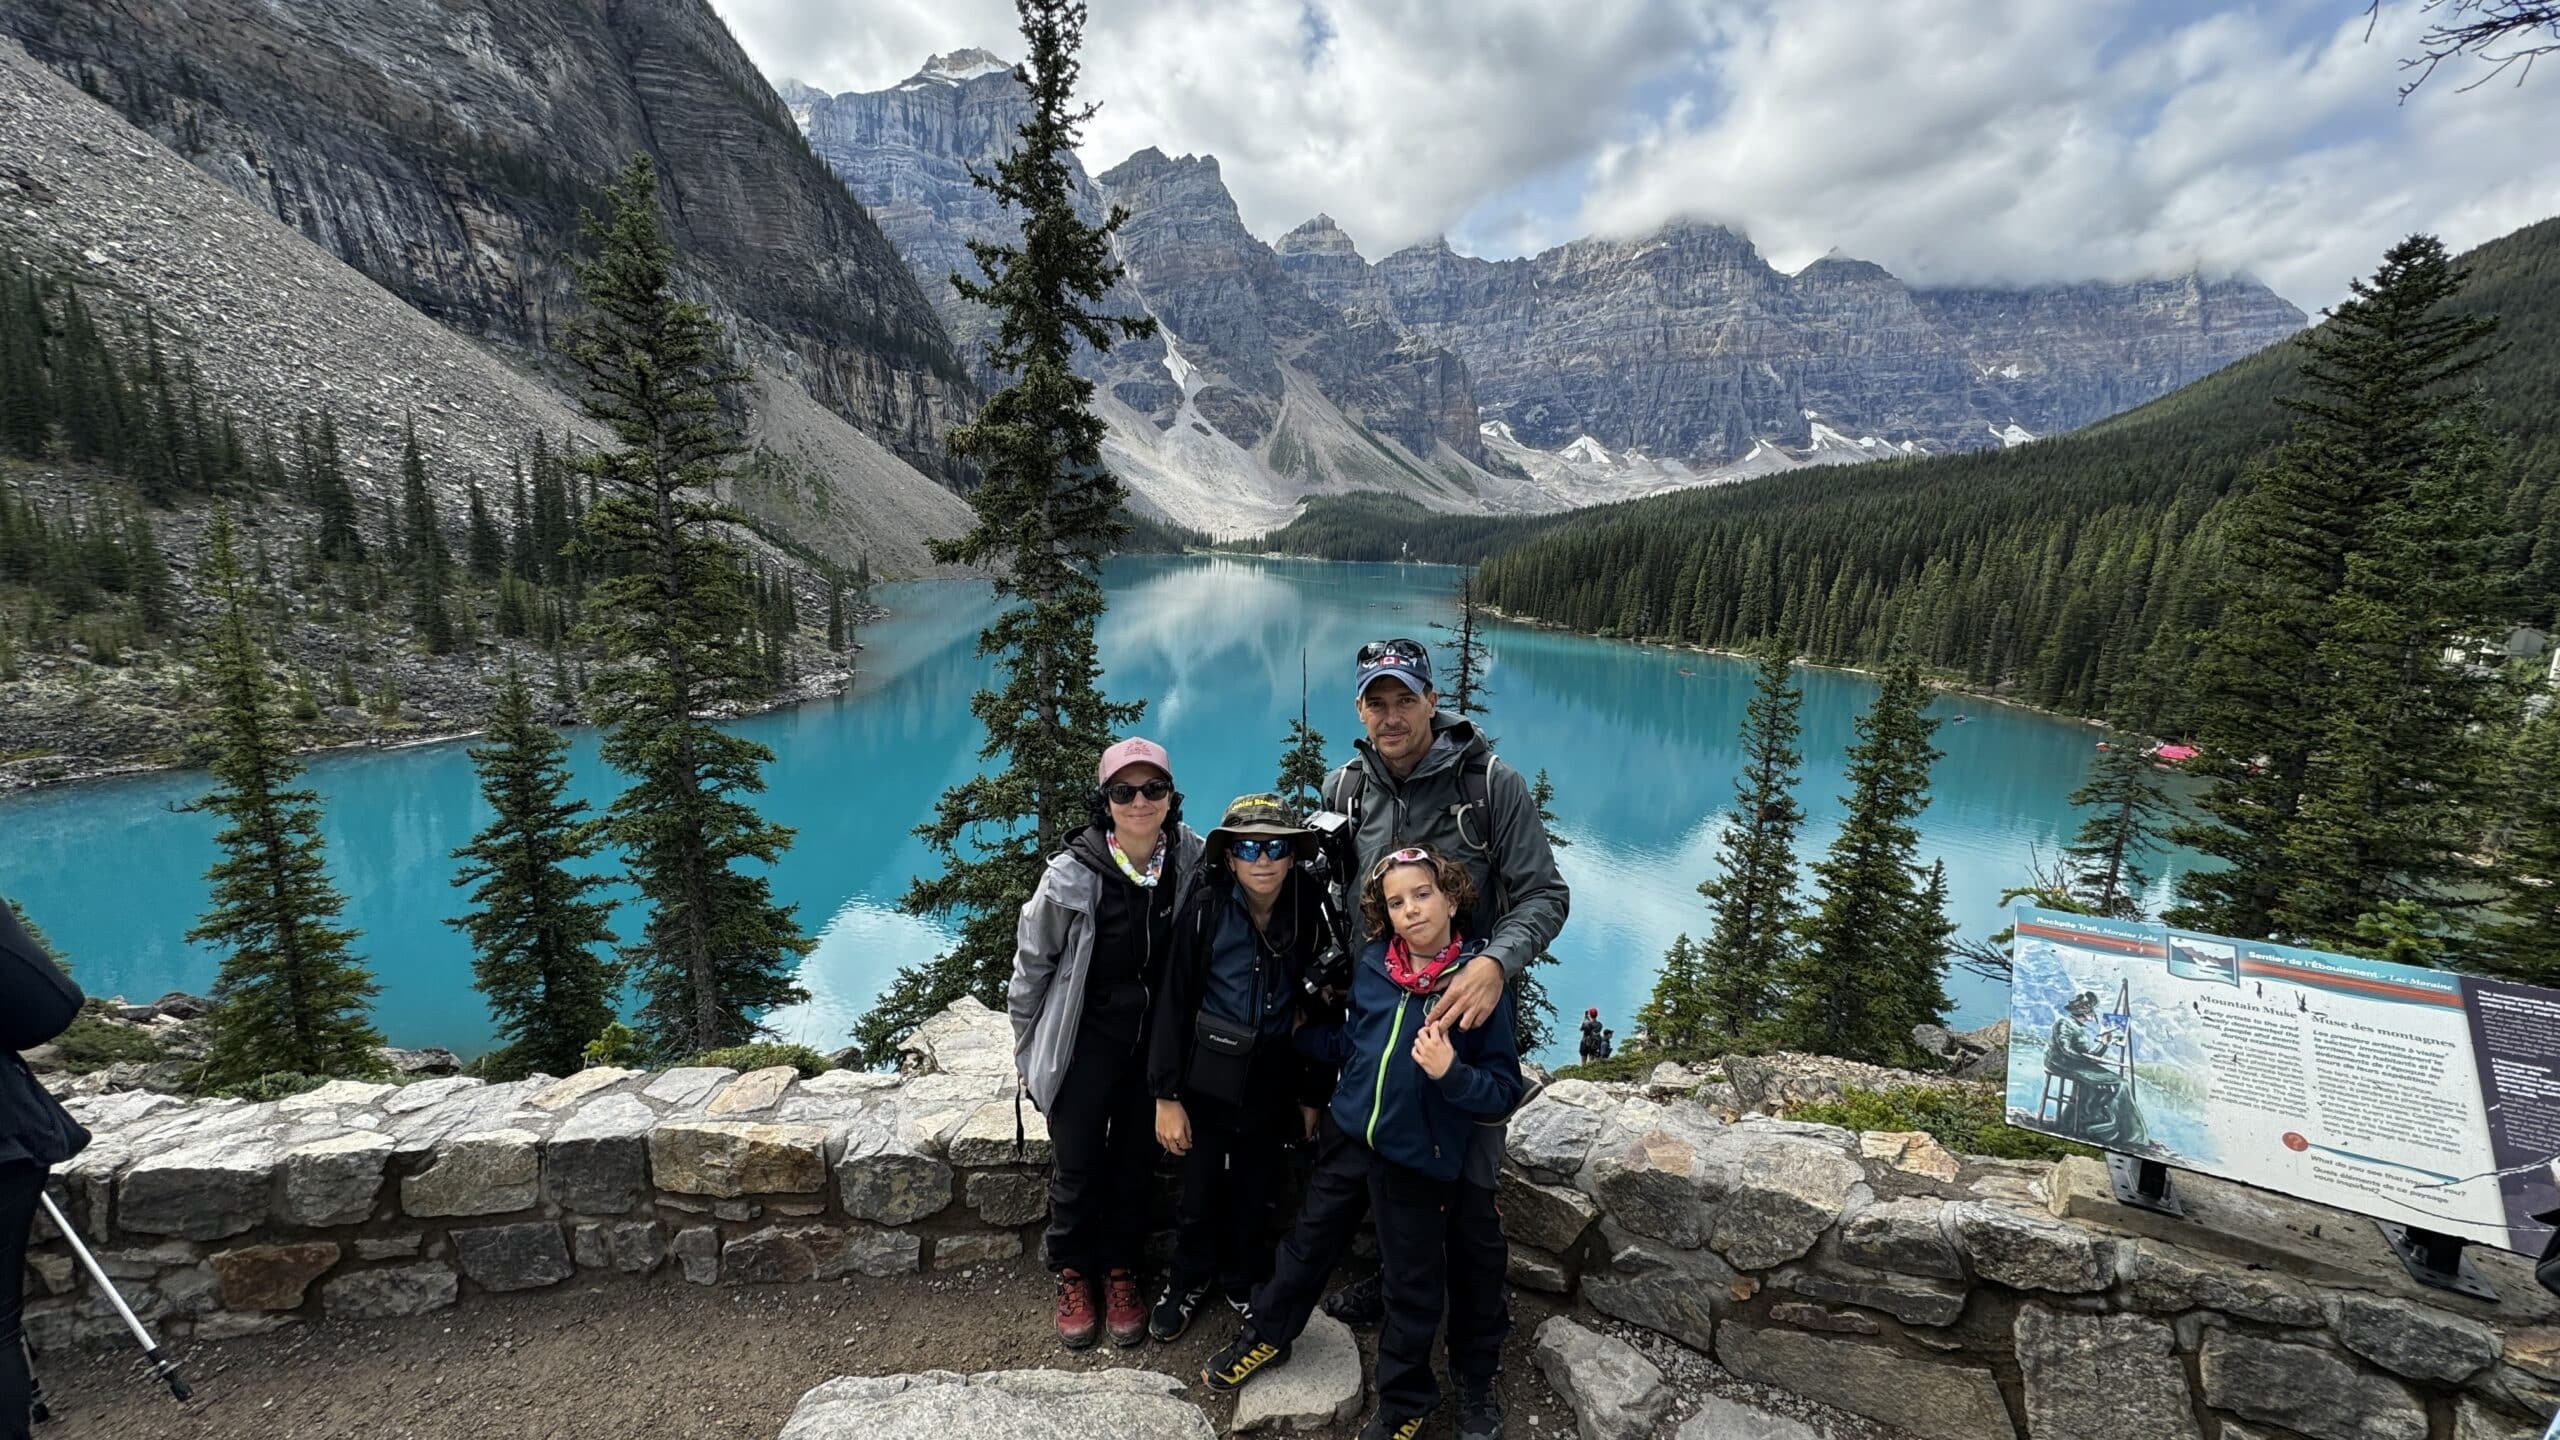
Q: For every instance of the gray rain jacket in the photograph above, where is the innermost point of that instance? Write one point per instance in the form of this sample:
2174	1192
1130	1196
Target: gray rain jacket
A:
1428	807
1052	954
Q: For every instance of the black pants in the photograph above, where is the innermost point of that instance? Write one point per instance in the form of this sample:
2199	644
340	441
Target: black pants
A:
1238	1154
1102	1148
1414	1215
20	1184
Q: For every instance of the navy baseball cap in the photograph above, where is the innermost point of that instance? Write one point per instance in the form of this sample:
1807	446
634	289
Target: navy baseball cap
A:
1406	660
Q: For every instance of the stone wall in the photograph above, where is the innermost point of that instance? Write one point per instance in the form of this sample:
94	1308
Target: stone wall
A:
1954	1297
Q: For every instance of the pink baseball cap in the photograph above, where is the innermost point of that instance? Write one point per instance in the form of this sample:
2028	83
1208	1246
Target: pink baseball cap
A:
1132	751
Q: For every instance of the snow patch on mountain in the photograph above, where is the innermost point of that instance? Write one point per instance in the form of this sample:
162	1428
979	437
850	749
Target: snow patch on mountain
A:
1587	451
962	66
2013	434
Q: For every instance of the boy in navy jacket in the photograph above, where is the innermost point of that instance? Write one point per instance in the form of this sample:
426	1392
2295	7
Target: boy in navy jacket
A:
1398	1130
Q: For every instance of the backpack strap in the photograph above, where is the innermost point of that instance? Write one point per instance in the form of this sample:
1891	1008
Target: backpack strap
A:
1475	794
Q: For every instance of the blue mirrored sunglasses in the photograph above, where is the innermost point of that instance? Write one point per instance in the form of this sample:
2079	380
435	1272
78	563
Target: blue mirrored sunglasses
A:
1262	847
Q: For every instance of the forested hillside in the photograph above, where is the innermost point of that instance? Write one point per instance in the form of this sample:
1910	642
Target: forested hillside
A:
2070	572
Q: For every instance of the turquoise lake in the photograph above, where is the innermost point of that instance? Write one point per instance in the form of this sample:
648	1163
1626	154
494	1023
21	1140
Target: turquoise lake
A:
1639	742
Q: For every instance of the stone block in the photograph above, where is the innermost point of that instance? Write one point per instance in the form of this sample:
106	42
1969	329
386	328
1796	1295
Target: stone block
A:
491	1172
2307	1389
1935	1400
1319	1388
390	1294
755	1091
739	1210
1120	1404
409	1099
1911	1299
868	1252
729	1158
389	1247
1655	1179
1551	1217
697	1250
2114	1375
354	1094
1913	1152
637	1246
1537	1270
223	1325
1002	1199
687	1085
1815	1317
566	1093
1551	1135
1613	1392
987	1137
2475	1421
2166	1279
270	1277
950	1252
589	1245
1786	1193
2031	1252
771	1256
208	1191
2420	1342
597	1162
888	1181
334	1181
1720	1418
529	1256
1908	1237
1665	1289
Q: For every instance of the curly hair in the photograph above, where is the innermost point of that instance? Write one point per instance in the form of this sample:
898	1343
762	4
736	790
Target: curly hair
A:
1452	877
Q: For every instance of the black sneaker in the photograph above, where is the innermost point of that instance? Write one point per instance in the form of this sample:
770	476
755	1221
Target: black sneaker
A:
1479	1409
1245	1356
1362	1302
1174	1310
1382	1428
1241	1301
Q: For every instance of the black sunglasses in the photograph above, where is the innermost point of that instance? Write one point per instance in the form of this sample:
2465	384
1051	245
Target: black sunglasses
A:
1121	792
1263	847
1378	650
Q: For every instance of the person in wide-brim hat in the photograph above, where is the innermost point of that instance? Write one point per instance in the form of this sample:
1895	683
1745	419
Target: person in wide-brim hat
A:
1231	1092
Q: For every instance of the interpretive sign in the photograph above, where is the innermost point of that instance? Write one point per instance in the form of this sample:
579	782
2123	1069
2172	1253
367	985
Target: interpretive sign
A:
2425	1098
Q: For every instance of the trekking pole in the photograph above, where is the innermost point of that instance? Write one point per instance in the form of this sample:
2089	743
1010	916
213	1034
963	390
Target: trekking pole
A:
37	1410
162	1367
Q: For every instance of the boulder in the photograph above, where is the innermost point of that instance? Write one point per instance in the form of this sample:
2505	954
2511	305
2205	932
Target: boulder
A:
1786	1193
1668	1290
270	1277
967	1038
2475	1421
1319	1388
1614	1393
2031	1252
1721	1418
1908	1237
2301	1387
179	1005
493	1172
1017	1404
729	1158
334	1181
389	1294
211	1190
2113	1375
1651	1172
886	1180
999	1198
1535	1269
1913	1152
432	1061
697	1250
1550	1136
2416	1341
1550	1217
597	1162
1932	1400
529	1256
1779	1083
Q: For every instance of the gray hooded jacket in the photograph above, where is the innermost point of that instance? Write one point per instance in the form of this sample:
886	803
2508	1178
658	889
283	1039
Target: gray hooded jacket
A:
1428	807
1053	953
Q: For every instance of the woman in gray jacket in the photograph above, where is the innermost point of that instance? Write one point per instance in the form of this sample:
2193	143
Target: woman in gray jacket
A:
1089	956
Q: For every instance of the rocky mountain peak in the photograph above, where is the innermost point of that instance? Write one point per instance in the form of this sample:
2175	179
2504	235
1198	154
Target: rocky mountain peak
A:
1319	236
959	67
798	92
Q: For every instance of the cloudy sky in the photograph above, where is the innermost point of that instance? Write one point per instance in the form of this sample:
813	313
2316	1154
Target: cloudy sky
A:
1951	141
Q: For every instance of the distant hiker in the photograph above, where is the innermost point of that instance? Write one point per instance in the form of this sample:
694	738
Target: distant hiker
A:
1423	778
1397	1136
1595	1044
1231	1092
37	1002
1089	953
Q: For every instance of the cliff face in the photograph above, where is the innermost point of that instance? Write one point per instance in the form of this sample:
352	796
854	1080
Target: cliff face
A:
444	148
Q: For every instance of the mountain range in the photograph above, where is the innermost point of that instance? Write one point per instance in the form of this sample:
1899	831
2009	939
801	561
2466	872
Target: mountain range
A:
1600	370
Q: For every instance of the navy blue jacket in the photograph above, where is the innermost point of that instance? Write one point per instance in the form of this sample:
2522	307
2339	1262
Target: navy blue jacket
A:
1385	1100
37	1002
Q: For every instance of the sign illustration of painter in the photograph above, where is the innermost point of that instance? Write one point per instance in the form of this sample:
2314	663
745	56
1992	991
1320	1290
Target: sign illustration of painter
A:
2426	1099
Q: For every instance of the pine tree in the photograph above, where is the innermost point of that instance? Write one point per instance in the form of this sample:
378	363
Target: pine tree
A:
1675	1022
290	994
1467	655
2524	943
324	478
1533	1011
533	927
488	553
2332	733
1863	976
836	633
1753	895
1047	512
717	951
154	593
418	523
1302	767
2128	819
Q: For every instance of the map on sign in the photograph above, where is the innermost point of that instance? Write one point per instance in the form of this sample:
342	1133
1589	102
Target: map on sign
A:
2423	1097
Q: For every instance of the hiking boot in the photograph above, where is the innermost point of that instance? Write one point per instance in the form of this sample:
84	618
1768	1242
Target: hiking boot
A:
1076	1319
1123	1311
1382	1428
1174	1310
1245	1356
1479	1409
1240	1300
1362	1302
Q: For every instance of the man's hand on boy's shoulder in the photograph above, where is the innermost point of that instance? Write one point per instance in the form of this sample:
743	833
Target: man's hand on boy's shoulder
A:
1469	998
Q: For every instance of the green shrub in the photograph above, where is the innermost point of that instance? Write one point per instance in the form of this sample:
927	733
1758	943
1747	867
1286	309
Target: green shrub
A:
1968	1119
92	1043
1629	1065
756	1057
617	1044
274	1085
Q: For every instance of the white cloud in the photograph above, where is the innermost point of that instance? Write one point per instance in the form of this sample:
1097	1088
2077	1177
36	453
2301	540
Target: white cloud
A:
1965	140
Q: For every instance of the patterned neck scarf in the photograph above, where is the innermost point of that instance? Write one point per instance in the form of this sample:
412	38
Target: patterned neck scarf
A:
1144	879
1424	980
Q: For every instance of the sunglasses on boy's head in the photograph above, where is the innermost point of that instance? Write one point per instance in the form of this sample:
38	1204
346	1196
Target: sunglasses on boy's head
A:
1387	652
1262	847
1121	792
